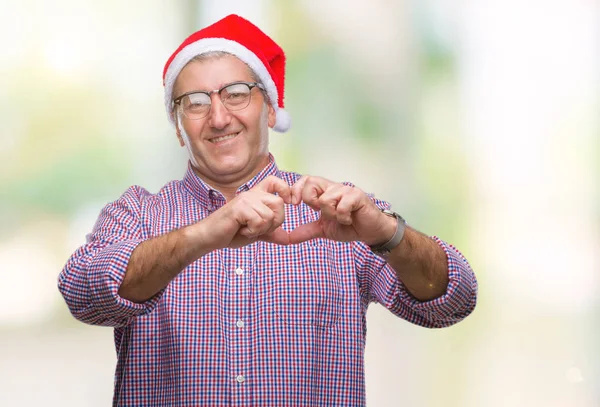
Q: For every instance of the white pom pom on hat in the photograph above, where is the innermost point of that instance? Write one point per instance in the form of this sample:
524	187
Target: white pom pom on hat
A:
237	36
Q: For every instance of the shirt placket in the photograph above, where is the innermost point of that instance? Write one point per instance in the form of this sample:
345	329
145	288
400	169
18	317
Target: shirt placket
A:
239	322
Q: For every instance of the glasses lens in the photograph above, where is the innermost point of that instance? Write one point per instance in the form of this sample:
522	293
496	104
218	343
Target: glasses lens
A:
236	96
196	105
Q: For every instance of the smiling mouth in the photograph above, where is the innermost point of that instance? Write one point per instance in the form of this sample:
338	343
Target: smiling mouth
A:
223	138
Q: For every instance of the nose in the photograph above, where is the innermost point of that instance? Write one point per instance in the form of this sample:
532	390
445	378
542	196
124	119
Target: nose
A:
219	117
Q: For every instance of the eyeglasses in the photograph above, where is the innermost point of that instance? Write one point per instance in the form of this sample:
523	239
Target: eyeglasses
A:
234	96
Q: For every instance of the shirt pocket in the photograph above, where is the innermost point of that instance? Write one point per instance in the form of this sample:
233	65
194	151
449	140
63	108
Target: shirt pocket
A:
304	284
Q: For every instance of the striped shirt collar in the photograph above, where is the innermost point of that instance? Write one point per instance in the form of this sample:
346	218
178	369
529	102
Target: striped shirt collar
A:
212	198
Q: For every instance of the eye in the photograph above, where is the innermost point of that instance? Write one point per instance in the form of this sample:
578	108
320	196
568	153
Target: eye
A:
236	90
196	102
236	95
198	99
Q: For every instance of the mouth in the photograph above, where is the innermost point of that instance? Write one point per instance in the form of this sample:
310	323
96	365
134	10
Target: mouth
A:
220	139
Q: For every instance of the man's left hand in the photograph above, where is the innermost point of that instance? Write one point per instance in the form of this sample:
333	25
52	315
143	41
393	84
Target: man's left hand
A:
347	213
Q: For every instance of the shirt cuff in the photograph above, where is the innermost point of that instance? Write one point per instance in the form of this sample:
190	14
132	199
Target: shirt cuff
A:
460	297
106	273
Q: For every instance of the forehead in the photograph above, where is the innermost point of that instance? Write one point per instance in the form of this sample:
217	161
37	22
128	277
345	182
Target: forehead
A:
211	73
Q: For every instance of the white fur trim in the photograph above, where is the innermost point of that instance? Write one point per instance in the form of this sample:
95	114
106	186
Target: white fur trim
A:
283	121
244	54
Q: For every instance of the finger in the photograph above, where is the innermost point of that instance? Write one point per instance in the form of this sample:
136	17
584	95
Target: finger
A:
257	220
273	185
306	232
351	200
242	213
313	188
297	189
274	202
328	201
277	236
276	205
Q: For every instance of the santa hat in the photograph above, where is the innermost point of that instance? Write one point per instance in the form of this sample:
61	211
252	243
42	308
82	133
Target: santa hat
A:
237	36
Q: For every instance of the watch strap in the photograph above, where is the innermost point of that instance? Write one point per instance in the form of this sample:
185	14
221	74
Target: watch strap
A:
395	240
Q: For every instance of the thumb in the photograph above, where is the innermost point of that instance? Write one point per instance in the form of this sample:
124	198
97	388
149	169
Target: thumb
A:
278	236
306	232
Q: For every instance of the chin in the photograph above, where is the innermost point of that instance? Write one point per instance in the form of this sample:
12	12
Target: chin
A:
230	167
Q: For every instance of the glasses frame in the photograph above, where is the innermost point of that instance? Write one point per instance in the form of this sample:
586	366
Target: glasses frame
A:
209	93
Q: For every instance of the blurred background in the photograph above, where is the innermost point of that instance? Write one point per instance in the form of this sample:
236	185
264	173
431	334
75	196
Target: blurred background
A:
478	121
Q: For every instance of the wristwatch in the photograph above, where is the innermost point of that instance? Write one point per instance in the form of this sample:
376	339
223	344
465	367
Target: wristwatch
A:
384	249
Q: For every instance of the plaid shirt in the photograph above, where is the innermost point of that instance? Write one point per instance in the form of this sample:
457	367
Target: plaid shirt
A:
262	325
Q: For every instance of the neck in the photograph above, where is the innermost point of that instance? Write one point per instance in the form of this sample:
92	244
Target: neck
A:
226	187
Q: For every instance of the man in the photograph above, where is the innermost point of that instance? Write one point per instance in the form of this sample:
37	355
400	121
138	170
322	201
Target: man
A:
243	284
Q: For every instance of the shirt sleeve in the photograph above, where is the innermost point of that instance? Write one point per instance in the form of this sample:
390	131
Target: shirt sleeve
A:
378	282
384	287
91	278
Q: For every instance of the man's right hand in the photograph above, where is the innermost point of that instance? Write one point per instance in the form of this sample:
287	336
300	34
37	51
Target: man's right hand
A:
253	215
250	216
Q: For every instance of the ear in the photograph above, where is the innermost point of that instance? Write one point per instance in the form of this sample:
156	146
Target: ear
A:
272	115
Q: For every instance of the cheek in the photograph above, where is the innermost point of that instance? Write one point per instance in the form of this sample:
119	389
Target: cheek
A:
264	118
253	120
180	130
263	131
191	127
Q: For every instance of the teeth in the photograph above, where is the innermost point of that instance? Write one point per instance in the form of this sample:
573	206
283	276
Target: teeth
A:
218	139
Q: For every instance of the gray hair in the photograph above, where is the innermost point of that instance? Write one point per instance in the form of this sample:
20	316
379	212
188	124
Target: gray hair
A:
221	54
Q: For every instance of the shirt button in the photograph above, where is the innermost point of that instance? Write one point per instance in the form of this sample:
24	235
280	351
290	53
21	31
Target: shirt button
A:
240	379
239	271
239	323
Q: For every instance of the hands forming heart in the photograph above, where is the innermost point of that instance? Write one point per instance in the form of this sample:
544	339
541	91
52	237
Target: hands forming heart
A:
347	214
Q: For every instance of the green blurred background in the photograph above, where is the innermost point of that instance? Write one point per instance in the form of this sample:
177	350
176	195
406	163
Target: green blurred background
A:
477	120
